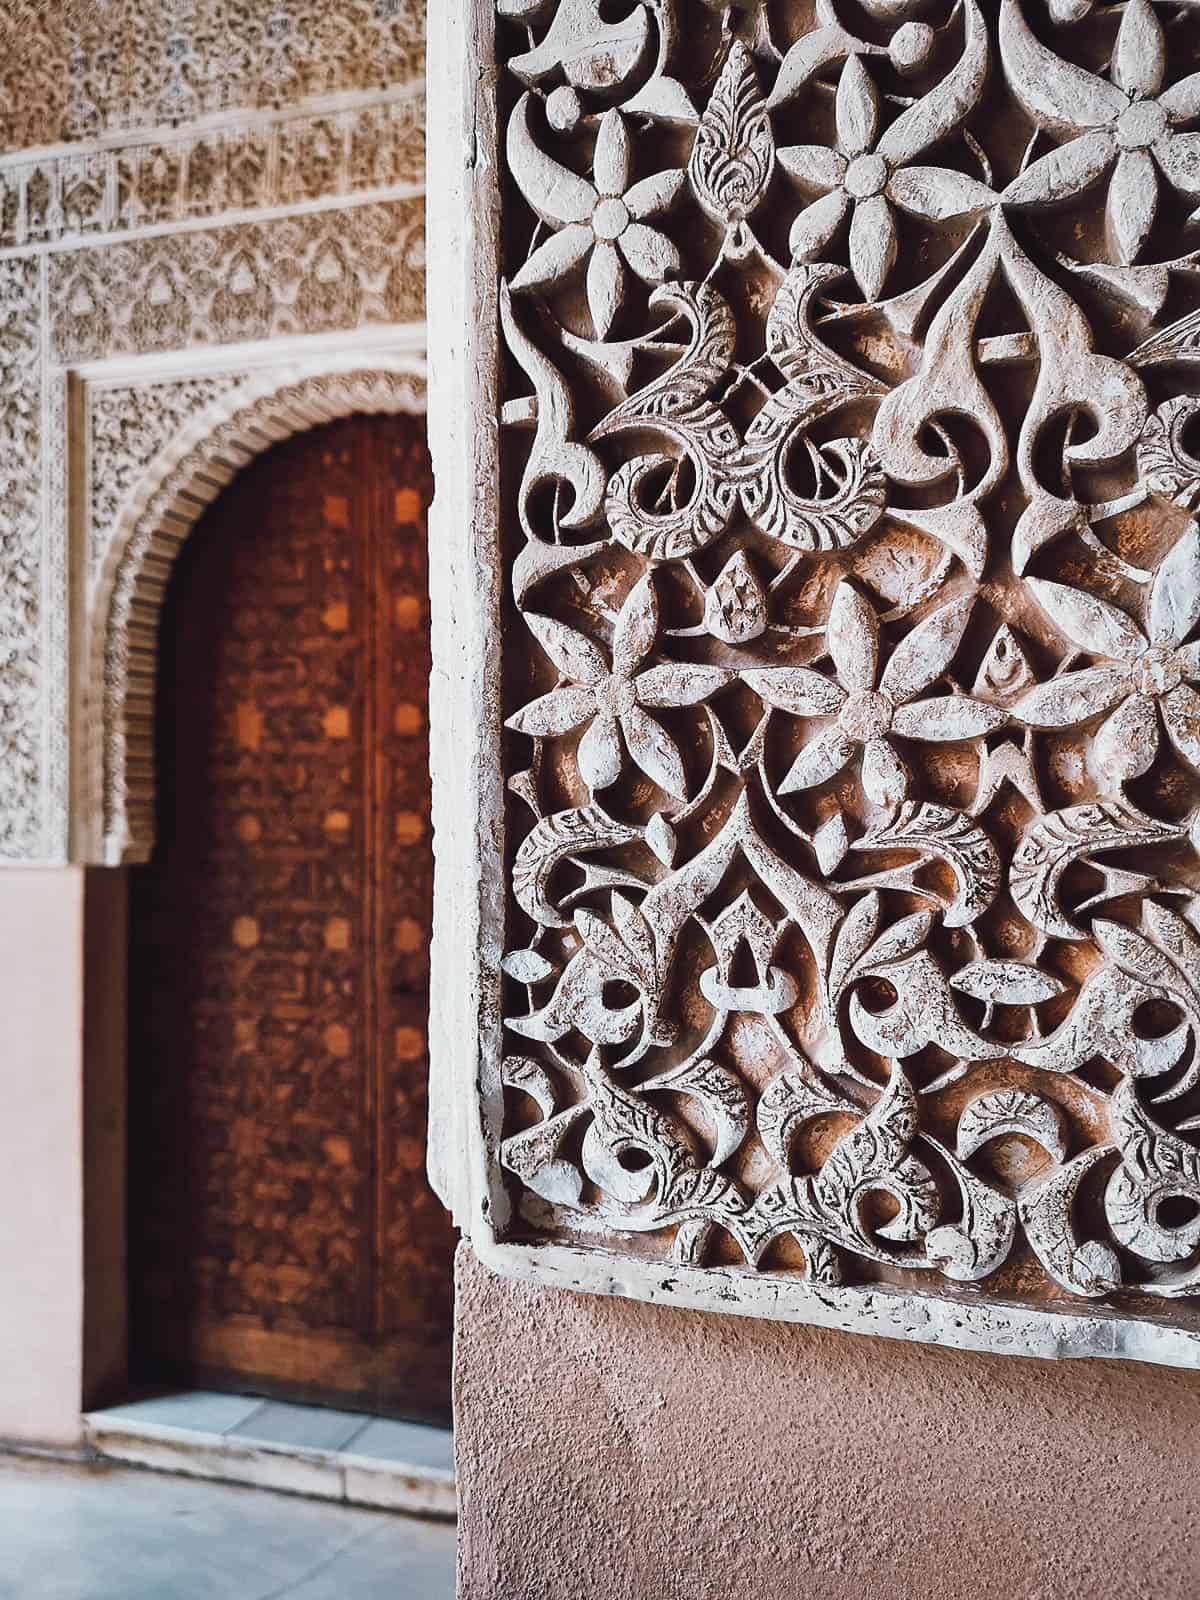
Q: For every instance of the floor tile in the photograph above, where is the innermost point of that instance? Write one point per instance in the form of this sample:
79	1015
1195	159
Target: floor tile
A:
197	1409
74	1533
408	1442
303	1427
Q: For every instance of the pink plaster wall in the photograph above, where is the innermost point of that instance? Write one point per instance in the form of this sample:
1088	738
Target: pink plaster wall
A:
41	1174
615	1451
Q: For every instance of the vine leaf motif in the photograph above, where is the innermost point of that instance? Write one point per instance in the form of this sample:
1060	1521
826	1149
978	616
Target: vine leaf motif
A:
677	406
533	1155
876	1155
981	1240
937	831
592	54
1004	1111
734	153
555	457
1046	1210
1165	960
1156	1167
1053	843
722	1095
556	839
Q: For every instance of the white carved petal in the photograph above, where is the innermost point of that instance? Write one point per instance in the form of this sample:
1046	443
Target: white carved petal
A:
821	758
799	690
1091	624
946	105
1189	660
555	257
1140	58
852	635
1127	741
605	286
1073	697
610	164
575	655
654	750
553	191
920	659
856	108
1058	95
599	754
655	194
1175	595
884	775
679	683
1181	101
948	718
938	193
554	713
1132	202
815	166
637	626
1067	170
1181	713
817	224
1178	155
872	244
651	254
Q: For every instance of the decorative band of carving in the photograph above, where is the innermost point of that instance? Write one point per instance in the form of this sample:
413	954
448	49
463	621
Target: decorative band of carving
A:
191	471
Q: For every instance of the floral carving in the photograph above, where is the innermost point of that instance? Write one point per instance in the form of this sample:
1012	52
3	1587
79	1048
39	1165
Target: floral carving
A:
869	842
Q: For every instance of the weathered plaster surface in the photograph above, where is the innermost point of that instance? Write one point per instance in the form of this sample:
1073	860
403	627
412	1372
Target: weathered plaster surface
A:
609	1451
830	380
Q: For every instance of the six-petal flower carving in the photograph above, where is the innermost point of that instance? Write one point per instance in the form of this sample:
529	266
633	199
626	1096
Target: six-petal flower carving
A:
869	172
870	709
604	220
613	699
1129	125
1139	676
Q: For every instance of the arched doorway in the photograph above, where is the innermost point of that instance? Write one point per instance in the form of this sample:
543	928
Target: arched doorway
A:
283	1239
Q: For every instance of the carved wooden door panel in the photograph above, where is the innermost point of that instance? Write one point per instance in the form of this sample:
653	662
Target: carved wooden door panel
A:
283	1236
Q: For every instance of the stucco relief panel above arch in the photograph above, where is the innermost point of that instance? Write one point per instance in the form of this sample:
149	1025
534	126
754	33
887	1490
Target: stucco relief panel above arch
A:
845	372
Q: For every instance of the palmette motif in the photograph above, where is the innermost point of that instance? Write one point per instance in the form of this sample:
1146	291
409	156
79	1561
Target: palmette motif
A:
855	731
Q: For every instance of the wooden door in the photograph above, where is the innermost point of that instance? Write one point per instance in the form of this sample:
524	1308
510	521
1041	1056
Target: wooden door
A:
283	1238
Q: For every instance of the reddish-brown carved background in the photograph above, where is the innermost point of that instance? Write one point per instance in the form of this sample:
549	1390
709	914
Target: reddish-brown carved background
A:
283	1234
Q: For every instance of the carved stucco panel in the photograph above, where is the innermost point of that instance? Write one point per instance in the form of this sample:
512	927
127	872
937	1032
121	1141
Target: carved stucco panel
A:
312	273
845	372
82	68
22	657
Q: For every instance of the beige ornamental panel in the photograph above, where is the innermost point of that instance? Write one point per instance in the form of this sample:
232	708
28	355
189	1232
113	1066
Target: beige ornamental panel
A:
813	391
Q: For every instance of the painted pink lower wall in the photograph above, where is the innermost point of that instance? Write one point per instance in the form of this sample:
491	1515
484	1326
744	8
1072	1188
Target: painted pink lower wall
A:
41	1155
615	1451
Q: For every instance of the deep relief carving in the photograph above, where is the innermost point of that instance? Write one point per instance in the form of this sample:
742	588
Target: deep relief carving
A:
306	274
73	71
22	660
249	164
155	518
853	680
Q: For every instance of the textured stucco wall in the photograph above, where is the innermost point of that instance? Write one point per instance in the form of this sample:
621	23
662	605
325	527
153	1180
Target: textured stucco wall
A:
41	1170
609	1450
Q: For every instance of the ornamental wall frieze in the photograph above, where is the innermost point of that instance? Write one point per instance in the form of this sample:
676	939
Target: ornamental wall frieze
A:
251	162
846	374
75	71
308	273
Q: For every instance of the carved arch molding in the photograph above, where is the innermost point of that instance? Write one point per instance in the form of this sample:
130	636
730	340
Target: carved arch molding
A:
196	210
837	574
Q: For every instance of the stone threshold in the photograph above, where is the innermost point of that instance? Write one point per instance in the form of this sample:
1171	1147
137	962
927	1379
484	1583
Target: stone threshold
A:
304	1450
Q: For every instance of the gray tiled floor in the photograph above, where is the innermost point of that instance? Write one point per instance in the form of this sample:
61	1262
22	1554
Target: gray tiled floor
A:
303	1427
75	1533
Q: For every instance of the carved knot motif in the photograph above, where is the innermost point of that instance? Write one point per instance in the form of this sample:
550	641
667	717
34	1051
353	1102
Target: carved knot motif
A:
855	713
